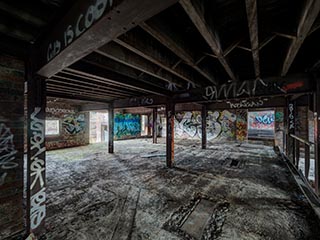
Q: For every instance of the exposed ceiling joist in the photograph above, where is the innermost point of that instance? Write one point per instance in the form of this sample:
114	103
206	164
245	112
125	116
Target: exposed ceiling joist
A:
149	52
58	94
196	14
94	71
175	47
117	53
96	84
309	15
252	16
78	93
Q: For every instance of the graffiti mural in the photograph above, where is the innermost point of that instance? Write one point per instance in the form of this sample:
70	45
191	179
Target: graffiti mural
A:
219	124
261	124
7	152
74	124
279	117
241	125
127	125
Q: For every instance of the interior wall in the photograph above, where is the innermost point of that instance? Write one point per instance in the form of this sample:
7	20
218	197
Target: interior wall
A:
12	79
74	126
127	126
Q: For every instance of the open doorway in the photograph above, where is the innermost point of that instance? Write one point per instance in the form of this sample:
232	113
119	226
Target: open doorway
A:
98	127
261	124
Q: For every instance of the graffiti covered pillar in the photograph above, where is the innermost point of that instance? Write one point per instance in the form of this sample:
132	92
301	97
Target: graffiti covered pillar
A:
36	180
291	124
204	114
154	125
170	114
111	129
316	103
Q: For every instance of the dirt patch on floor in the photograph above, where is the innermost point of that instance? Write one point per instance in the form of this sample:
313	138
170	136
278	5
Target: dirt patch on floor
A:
131	194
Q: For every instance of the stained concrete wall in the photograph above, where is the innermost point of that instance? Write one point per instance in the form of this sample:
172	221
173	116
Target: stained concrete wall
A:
12	78
74	126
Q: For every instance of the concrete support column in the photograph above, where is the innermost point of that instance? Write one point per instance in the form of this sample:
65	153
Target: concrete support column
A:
291	125
204	127
36	159
111	129
154	125
170	113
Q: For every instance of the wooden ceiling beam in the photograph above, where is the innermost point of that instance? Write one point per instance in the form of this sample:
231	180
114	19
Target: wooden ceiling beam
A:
105	87
309	15
63	82
147	50
109	76
197	16
171	43
88	25
252	16
54	94
121	69
122	55
84	77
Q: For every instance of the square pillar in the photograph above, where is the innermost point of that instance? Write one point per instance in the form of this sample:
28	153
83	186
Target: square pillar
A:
291	125
154	125
36	156
204	114
316	103
111	129
170	114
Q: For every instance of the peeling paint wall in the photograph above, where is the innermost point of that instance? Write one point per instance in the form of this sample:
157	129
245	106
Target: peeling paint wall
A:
74	126
11	145
127	126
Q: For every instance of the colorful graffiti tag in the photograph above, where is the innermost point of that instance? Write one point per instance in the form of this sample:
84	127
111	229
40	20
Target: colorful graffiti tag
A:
127	125
74	124
219	124
241	130
261	120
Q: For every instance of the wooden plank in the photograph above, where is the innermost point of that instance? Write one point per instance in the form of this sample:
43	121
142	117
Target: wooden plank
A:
170	114
111	129
154	125
316	108
36	155
204	114
147	50
94	71
122	55
157	31
197	16
309	15
73	97
252	16
89	25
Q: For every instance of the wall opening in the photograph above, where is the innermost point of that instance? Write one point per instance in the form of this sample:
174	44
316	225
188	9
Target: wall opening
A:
144	125
261	124
98	127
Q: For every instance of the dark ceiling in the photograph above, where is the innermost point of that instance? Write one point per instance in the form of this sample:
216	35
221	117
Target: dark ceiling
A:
191	44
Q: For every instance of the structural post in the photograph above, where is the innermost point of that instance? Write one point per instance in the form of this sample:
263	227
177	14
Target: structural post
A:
291	125
170	114
36	155
316	103
204	127
154	125
111	128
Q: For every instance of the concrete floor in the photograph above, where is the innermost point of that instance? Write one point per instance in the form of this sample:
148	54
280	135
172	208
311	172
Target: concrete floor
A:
229	191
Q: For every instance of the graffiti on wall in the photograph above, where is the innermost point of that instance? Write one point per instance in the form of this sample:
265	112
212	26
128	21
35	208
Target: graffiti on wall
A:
74	124
279	117
247	103
59	110
219	124
7	152
261	120
37	170
291	116
126	125
249	89
241	125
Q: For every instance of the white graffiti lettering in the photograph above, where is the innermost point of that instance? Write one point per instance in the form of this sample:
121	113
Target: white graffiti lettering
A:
82	23
59	110
141	101
37	169
38	208
7	152
291	116
247	104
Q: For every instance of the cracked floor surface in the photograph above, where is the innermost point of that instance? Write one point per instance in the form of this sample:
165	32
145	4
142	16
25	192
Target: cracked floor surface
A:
131	194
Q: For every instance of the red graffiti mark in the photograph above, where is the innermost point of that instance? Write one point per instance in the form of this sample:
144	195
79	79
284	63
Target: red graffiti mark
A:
293	86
